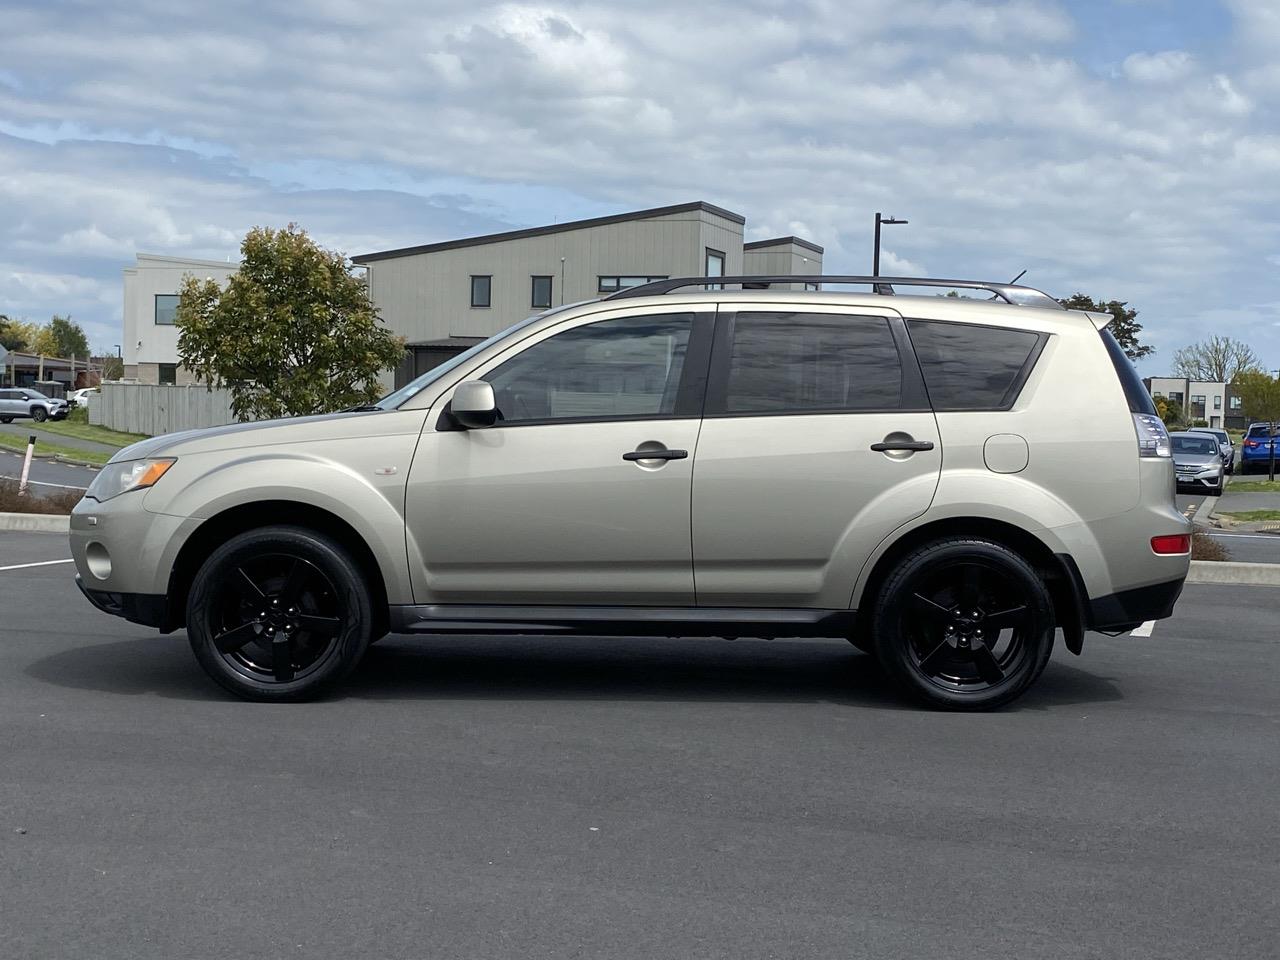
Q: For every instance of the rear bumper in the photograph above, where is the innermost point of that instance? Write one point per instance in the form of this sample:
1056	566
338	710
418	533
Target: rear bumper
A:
150	610
1129	608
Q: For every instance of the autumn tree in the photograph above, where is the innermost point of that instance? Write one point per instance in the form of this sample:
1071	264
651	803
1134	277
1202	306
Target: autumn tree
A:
293	332
1124	327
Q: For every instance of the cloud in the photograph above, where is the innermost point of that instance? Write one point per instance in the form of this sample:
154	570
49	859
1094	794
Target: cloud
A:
1148	177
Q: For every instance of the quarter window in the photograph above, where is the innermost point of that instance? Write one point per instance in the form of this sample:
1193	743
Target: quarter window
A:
541	292
481	287
166	309
968	367
812	362
623	369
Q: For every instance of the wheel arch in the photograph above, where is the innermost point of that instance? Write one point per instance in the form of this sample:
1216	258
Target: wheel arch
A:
232	521
1058	570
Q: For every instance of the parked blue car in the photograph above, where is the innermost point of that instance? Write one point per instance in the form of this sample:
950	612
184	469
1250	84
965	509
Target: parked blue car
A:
1255	450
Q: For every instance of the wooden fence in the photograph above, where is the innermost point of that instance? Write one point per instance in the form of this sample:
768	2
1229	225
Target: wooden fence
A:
154	409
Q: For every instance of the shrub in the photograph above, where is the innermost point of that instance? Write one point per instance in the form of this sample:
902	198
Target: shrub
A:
59	501
1204	547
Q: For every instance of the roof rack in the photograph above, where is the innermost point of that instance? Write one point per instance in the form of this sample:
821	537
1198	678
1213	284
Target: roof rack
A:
1008	292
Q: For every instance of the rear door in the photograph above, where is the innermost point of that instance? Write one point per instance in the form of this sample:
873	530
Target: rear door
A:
817	441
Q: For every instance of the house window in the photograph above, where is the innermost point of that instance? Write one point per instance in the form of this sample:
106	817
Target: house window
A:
166	309
714	267
1176	396
1217	402
1233	403
541	292
481	286
614	284
168	373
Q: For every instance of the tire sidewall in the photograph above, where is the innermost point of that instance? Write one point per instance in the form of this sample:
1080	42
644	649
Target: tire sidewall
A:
891	610
314	547
39	414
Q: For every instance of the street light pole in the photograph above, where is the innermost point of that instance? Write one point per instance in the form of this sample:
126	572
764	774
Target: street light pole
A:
875	260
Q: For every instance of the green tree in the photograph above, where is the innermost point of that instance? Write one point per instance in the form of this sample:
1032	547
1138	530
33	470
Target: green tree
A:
1259	395
1125	327
1170	411
17	334
112	368
1218	359
66	337
293	333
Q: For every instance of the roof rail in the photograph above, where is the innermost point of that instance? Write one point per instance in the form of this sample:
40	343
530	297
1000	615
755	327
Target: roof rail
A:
1008	292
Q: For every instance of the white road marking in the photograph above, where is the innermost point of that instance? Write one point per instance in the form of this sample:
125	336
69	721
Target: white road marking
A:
1245	536
42	563
44	483
1144	630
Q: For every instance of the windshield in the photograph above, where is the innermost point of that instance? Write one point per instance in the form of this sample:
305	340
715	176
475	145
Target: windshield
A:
415	386
1205	444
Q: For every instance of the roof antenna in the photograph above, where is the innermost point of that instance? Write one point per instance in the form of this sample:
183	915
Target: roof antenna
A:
1018	277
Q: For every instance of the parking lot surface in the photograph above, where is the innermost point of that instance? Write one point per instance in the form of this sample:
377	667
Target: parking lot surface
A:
557	797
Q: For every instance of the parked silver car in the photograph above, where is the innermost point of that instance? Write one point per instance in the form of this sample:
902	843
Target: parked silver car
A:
18	402
1197	462
1225	447
895	470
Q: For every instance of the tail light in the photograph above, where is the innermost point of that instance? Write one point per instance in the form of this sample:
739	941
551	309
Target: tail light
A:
1171	544
1153	438
1252	443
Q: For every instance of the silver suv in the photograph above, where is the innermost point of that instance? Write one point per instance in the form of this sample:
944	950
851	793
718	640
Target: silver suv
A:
945	482
18	402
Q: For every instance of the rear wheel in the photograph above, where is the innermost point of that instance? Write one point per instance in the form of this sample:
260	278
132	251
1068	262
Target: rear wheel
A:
39	414
964	624
280	613
6	419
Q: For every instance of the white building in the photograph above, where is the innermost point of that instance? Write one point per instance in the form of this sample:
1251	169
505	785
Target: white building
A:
150	347
1207	400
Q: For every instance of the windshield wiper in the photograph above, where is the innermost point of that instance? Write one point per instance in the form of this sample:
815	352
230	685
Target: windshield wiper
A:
362	408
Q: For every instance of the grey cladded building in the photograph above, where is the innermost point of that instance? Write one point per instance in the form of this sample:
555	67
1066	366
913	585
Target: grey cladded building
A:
445	297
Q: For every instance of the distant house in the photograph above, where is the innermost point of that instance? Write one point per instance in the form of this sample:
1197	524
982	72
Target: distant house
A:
1213	402
53	375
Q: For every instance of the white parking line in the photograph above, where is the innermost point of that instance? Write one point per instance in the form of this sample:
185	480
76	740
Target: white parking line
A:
42	563
45	483
1243	536
1144	630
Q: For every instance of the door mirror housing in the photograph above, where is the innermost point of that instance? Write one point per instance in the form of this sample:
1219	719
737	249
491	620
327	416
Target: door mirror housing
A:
474	405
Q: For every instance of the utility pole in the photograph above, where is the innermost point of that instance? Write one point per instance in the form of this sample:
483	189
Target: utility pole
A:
875	259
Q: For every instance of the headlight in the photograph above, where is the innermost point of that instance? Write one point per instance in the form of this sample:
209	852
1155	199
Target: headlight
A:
117	478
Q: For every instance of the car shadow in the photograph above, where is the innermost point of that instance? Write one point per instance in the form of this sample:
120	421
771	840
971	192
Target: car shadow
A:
561	668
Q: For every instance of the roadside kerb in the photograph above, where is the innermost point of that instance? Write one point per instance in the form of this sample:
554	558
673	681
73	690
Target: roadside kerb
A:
35	522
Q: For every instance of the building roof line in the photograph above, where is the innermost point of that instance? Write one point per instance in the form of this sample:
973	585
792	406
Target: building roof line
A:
165	258
780	241
650	214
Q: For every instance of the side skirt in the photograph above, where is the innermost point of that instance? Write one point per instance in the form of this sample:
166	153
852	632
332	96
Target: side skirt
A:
622	621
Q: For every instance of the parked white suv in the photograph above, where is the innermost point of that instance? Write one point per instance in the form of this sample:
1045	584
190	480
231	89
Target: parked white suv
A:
905	472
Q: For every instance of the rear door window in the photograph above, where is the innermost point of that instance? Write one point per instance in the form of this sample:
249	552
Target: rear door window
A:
788	362
971	367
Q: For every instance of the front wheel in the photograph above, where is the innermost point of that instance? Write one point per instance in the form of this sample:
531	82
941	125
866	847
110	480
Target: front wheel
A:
279	613
39	414
964	624
6	419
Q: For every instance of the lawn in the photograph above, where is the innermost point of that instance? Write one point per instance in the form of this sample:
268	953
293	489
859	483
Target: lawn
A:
1251	516
1253	486
10	442
86	431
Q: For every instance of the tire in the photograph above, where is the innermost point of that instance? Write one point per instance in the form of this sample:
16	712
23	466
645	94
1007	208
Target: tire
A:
39	414
933	620
279	614
6	419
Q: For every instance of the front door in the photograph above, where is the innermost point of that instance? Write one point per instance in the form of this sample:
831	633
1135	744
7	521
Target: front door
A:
818	441
580	493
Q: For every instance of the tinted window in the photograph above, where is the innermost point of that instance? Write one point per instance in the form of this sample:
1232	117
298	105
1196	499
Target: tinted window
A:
1258	430
541	292
1205	445
624	368
796	362
968	367
166	308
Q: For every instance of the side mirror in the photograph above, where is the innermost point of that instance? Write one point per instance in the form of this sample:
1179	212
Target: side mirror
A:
474	405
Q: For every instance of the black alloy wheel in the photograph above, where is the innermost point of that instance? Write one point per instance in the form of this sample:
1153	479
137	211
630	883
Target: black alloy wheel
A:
964	624
280	613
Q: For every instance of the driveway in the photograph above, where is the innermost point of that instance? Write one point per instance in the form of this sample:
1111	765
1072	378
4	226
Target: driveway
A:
556	797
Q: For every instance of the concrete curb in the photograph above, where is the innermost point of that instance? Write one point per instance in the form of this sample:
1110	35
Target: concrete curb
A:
1213	571
35	522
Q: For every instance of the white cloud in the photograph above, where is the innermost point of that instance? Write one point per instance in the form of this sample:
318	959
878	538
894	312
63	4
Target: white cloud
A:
1164	67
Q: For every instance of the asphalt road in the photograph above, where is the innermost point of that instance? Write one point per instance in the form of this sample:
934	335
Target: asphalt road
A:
47	475
522	798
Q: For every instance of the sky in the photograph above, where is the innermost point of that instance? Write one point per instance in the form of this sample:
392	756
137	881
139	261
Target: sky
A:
1128	149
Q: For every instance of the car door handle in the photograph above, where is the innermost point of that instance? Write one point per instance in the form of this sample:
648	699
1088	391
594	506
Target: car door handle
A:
655	455
902	445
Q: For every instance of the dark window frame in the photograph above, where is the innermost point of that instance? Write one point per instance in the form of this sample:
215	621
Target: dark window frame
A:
533	290
913	398
160	369
488	303
155	315
707	254
619	277
1013	391
690	391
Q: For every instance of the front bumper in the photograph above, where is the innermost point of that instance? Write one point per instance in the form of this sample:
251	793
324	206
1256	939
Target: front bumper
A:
1212	482
150	610
1130	608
